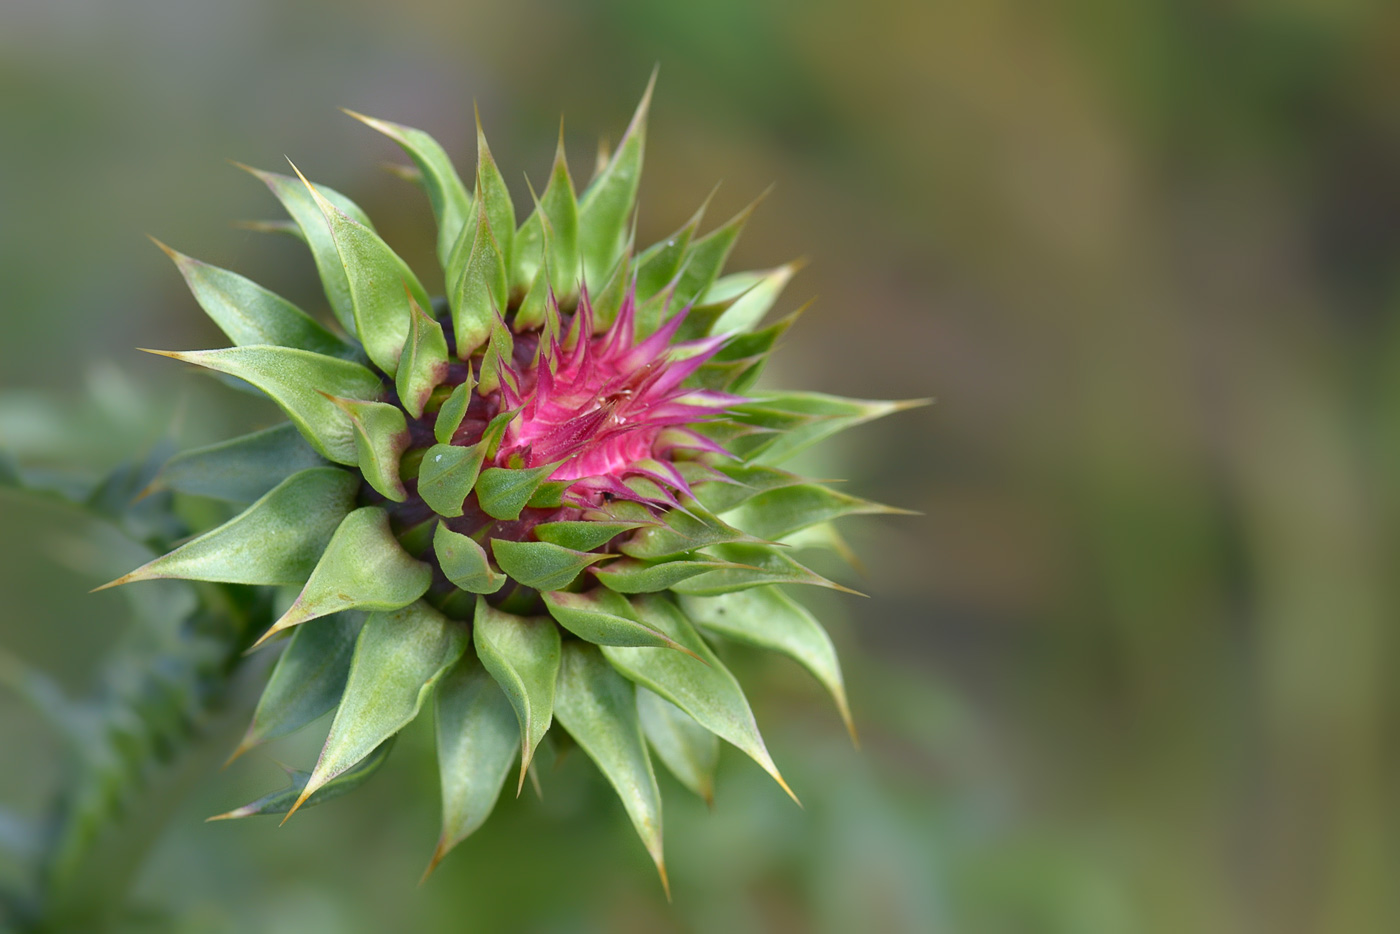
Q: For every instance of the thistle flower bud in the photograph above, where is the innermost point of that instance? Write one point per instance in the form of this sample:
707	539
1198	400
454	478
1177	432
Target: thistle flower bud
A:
536	499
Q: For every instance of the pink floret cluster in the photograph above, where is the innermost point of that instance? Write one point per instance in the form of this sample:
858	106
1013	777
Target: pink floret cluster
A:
609	408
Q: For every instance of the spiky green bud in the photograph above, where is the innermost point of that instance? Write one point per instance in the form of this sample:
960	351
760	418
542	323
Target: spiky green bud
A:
540	497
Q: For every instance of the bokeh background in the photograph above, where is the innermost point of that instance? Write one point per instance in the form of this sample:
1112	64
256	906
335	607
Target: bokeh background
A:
1132	667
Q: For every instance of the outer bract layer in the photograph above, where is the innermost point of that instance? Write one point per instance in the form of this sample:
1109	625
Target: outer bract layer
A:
535	498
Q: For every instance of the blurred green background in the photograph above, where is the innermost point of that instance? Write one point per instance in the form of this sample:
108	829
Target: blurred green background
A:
1131	670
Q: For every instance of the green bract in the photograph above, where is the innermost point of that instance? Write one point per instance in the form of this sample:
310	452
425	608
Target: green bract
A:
535	499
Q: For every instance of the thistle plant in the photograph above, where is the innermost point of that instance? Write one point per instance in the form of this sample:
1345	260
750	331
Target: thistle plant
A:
538	498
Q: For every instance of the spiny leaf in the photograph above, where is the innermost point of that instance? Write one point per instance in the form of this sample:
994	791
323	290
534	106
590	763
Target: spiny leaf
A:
760	296
504	492
522	654
399	656
741	361
447	474
381	437
449	417
681	532
363	567
533	313
583	535
277	540
448	196
249	313
774	514
658	265
491	192
303	208
706	257
299	382
763	564
477	738
464	562
541	565
377	279
558	207
240	470
498	353
307	682
607	301
826	414
611	196
629	575
599	709
424	362
603	617
689	750
748	481
770	619
705	690
477	286
280	802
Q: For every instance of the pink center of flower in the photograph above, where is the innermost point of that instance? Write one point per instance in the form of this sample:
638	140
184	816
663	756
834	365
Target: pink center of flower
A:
611	409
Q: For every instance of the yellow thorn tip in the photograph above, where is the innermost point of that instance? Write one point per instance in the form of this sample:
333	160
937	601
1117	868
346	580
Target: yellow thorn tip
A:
306	792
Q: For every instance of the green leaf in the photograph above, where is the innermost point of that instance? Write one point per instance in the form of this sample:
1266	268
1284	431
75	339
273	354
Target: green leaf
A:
399	656
363	567
704	689
277	540
299	382
249	313
448	196
558	209
477	286
611	197
549	495
307	682
477	738
498	353
657	267
424	362
749	481
303	209
381	285
827	415
583	535
765	564
381	437
464	562
629	575
447	474
522	654
689	750
607	302
604	618
503	492
706	257
681	532
541	565
770	619
280	802
240	470
598	707
449	417
532	315
750	308
491	192
738	364
824	535
774	514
